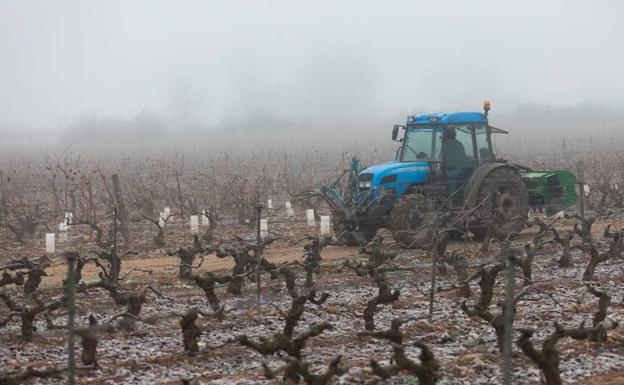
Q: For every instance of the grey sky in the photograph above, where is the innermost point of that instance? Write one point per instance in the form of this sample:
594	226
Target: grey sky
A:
207	61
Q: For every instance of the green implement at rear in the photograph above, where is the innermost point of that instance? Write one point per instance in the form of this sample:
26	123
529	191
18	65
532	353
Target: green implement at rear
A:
551	191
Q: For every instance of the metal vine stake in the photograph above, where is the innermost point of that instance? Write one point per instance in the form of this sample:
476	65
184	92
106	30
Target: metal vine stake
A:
258	251
434	265
71	315
508	319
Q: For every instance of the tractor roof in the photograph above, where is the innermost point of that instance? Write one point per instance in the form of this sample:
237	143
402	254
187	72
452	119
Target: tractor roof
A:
447	118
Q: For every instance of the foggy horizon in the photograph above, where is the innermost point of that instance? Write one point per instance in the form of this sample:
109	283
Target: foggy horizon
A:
217	66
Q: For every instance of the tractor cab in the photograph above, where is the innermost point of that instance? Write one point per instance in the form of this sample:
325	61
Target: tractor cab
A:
453	145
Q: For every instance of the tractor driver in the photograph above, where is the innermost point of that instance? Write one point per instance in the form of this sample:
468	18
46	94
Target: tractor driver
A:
455	157
454	150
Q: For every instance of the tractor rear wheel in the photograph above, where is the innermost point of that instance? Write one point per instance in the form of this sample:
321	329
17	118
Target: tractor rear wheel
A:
504	204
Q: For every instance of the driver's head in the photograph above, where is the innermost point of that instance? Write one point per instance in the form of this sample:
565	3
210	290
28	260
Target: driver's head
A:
450	133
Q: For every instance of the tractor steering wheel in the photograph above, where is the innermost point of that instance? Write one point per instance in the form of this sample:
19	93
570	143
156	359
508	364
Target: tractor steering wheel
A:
419	155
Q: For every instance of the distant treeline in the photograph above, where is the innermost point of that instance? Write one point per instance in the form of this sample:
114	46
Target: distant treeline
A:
530	125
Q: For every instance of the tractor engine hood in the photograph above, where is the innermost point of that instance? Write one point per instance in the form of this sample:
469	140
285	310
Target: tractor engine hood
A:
394	176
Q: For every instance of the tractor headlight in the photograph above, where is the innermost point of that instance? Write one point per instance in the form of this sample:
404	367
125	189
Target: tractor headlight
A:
365	180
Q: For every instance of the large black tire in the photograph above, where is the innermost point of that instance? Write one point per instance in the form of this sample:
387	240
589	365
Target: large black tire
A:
504	204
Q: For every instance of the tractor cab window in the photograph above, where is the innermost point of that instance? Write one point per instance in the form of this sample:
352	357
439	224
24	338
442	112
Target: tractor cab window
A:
484	147
421	144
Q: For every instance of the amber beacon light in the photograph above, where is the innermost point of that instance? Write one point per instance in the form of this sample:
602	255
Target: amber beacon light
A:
486	106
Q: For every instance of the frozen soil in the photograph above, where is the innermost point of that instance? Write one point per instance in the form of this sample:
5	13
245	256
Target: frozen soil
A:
465	347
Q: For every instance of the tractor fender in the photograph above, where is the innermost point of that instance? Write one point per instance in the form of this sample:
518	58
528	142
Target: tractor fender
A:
477	177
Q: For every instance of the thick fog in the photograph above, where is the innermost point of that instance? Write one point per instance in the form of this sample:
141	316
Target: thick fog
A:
75	72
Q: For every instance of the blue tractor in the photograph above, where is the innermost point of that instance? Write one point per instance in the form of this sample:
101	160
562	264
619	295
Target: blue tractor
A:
445	164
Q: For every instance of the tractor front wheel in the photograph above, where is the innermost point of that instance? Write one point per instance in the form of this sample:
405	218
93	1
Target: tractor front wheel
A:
411	220
409	212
